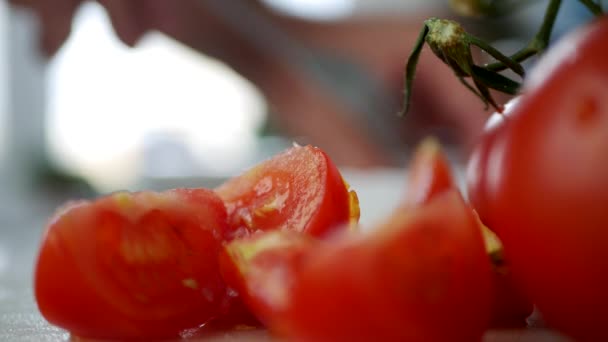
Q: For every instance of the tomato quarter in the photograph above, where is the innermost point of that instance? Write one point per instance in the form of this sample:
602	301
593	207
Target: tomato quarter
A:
422	275
133	265
300	190
430	174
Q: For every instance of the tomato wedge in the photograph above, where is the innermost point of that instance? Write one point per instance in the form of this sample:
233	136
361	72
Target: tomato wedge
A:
133	265
429	175
253	264
422	275
300	190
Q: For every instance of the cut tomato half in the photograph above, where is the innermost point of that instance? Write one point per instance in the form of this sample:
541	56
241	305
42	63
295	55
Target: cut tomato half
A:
133	265
299	190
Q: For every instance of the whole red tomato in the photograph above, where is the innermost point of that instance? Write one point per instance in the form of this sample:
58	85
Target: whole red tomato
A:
300	189
540	181
133	265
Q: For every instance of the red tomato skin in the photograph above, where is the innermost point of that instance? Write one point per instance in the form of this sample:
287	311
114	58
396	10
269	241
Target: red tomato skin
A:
65	299
419	271
133	266
481	169
423	269
429	173
539	181
340	207
300	189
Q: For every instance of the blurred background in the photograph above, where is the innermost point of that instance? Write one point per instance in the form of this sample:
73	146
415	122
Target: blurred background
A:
85	107
98	96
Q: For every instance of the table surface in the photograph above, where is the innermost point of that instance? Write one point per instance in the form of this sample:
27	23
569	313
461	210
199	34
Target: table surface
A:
22	221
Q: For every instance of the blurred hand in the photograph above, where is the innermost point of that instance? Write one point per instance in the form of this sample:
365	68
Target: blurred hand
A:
55	20
131	19
302	108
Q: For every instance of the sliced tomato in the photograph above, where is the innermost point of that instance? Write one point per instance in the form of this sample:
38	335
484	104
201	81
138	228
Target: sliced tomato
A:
430	174
253	265
299	190
133	265
422	275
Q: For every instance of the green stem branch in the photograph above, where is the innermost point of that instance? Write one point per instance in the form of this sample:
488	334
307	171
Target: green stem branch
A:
593	7
538	43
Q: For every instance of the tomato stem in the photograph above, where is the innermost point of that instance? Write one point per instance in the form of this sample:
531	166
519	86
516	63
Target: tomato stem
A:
542	37
488	8
452	44
538	43
595	8
410	69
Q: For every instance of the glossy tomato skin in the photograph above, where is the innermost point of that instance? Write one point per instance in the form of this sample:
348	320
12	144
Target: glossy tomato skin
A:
133	265
300	190
482	168
429	173
423	275
539	180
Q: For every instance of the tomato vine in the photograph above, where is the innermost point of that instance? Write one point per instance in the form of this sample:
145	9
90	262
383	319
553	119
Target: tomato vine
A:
452	44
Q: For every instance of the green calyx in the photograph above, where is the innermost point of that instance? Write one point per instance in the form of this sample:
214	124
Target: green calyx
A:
452	45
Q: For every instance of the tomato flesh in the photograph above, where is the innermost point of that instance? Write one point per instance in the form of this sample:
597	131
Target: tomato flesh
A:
299	190
133	265
254	264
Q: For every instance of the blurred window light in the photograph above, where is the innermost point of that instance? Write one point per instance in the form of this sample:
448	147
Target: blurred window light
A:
338	9
396	7
107	101
314	9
